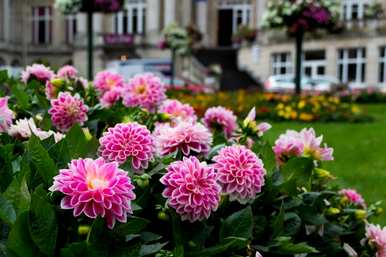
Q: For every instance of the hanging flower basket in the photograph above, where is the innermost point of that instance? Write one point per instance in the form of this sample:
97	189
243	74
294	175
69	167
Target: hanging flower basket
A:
75	6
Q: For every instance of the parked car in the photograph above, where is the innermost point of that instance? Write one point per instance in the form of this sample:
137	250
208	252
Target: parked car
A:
326	84
286	83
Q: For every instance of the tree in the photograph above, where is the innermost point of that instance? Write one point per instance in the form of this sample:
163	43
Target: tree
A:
298	17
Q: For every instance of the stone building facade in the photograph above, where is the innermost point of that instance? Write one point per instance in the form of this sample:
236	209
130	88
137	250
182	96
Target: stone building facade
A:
356	56
32	30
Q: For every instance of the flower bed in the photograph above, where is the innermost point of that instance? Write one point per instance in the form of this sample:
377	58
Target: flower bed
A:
111	168
306	108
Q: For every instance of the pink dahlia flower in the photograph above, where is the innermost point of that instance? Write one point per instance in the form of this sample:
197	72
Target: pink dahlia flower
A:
109	86
38	72
95	188
220	117
67	72
178	110
106	81
126	141
109	98
6	115
67	110
240	173
301	144
186	137
377	238
191	189
144	90
353	196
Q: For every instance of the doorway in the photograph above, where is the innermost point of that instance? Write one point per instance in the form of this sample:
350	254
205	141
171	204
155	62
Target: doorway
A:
225	22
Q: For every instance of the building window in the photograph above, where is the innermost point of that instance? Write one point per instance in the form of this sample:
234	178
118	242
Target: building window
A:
314	64
132	19
352	65
281	63
41	25
354	9
71	28
382	65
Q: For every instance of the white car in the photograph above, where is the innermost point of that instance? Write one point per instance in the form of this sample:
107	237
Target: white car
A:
285	83
324	83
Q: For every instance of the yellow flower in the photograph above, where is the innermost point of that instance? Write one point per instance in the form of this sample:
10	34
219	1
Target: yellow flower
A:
306	116
301	104
355	109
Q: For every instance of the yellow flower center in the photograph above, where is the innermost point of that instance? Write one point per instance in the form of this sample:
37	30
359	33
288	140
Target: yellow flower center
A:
95	182
140	89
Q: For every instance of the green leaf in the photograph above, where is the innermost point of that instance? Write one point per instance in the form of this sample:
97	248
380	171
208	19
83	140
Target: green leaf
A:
19	239
7	212
3	76
265	152
311	216
151	249
285	246
134	225
78	249
79	145
43	223
228	244
98	240
17	193
39	156
239	224
278	223
292	224
298	170
22	98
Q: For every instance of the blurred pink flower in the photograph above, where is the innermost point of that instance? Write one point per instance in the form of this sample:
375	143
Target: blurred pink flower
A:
67	110
178	110
145	91
186	137
106	80
220	117
262	128
38	72
109	98
127	141
353	196
95	188
109	85
6	115
301	144
240	173
191	189
67	72
377	238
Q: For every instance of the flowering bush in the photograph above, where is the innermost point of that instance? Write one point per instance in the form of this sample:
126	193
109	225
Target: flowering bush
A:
74	6
306	108
126	181
301	15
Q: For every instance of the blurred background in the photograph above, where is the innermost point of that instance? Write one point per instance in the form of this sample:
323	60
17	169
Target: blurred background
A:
228	51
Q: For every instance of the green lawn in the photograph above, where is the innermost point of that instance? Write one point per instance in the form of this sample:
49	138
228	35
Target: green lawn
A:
360	152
